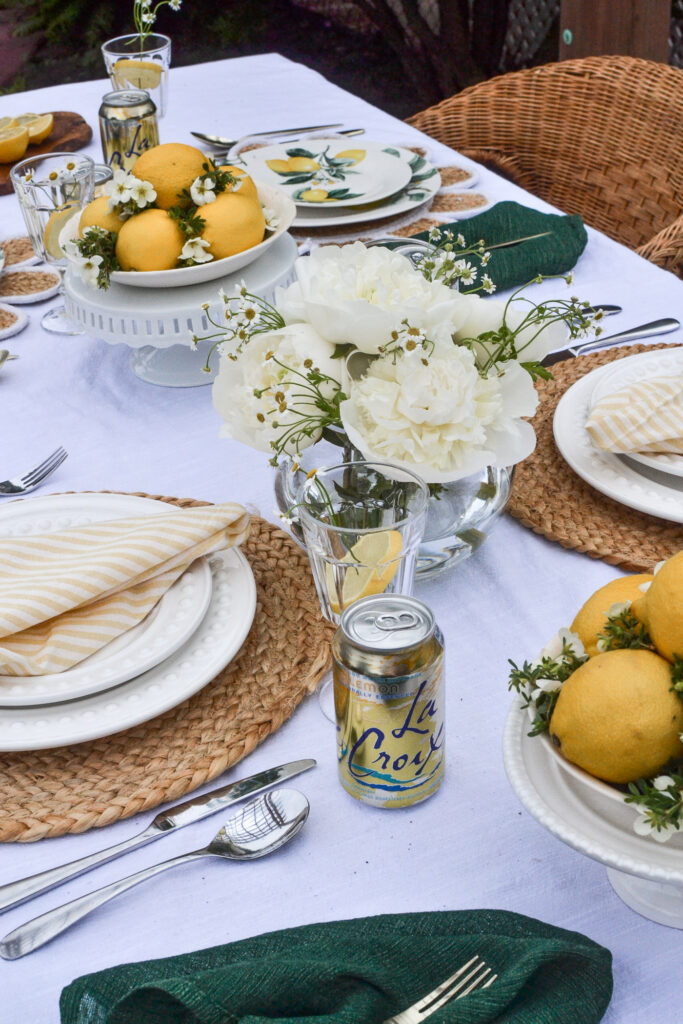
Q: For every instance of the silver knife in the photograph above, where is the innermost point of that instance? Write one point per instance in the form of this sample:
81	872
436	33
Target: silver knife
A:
650	330
14	893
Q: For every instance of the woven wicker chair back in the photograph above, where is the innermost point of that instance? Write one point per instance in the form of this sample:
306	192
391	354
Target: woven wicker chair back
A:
601	136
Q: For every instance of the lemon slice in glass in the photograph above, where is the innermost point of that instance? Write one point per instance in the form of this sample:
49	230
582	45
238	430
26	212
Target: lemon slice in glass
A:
372	564
13	143
53	228
139	74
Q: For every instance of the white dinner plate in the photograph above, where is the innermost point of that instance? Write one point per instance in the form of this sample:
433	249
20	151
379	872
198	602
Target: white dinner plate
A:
646	874
367	175
424	183
160	634
271	197
634	369
209	649
610	474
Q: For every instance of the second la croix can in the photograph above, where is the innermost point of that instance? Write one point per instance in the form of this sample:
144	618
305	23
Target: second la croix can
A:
387	664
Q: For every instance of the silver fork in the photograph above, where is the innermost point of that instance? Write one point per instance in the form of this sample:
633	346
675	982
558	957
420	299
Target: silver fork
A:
471	976
29	481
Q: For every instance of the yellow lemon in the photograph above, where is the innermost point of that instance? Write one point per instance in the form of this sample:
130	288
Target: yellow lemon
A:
150	240
13	143
233	223
591	618
8	122
53	228
279	166
617	716
661	608
98	214
170	168
372	564
136	74
314	195
245	185
355	155
303	163
39	126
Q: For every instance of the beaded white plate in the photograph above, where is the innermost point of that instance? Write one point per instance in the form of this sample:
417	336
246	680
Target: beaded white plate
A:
209	649
658	495
642	367
160	634
647	875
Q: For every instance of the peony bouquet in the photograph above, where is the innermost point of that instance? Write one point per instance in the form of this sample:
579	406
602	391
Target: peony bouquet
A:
410	370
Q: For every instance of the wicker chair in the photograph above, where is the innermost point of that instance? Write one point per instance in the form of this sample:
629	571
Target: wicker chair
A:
601	136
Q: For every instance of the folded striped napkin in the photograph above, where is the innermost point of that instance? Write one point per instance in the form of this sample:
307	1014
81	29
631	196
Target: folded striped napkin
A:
65	595
643	417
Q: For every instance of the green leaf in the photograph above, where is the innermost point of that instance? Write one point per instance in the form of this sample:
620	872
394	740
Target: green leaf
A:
394	152
301	152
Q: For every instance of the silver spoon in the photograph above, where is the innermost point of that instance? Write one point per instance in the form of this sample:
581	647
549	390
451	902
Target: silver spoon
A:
259	828
5	355
222	143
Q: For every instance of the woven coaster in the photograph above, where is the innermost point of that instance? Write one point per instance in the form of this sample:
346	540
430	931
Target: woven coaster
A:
549	497
73	789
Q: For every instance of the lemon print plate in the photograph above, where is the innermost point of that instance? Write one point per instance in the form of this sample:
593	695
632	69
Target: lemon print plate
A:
325	173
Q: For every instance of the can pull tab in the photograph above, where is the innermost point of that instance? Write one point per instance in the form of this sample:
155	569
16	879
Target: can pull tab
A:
404	620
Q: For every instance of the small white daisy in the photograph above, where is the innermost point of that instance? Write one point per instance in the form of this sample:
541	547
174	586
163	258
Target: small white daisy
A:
195	249
202	191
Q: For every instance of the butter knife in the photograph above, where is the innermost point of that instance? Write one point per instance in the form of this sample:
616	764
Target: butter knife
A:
14	893
649	330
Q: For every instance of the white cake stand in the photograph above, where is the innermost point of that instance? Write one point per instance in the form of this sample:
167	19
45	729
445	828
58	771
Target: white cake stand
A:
158	323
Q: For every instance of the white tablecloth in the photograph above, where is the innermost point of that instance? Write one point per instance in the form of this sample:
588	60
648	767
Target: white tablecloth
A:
472	845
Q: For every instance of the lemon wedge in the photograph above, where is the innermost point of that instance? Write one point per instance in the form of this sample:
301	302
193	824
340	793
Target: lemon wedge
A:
55	223
7	122
372	564
13	143
39	126
140	74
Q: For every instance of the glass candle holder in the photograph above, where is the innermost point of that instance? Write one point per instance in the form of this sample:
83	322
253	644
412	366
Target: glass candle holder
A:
131	64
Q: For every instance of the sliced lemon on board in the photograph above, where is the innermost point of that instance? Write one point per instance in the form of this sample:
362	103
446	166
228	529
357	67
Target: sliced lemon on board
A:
372	564
53	228
8	122
13	143
39	126
140	74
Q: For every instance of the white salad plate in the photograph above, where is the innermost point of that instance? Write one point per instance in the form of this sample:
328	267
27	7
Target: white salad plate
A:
215	641
270	197
347	180
635	369
424	183
173	621
613	475
647	875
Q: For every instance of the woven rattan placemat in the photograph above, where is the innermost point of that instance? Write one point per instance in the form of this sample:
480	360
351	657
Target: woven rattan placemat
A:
552	500
72	789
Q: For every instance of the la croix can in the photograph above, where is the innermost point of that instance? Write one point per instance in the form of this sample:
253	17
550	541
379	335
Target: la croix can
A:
387	666
128	127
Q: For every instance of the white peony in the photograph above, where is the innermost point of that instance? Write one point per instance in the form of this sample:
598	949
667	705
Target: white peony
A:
441	420
479	315
259	399
352	294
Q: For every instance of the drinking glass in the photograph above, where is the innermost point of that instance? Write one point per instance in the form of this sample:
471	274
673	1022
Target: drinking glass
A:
50	190
131	64
362	524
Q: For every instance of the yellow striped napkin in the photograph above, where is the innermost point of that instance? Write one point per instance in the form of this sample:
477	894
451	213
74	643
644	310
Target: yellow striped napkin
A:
65	595
643	417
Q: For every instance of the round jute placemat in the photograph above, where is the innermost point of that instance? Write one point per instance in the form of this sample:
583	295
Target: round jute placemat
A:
549	497
72	789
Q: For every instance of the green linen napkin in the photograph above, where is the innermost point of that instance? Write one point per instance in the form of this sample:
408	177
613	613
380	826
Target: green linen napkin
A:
555	253
359	972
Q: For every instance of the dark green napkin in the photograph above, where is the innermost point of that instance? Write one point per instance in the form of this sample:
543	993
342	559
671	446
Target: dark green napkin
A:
555	253
359	972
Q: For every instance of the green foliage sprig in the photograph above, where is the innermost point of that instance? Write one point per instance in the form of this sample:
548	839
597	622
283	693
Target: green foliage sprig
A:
623	631
533	682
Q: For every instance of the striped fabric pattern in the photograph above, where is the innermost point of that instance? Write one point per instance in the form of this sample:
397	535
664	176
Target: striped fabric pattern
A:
65	595
643	417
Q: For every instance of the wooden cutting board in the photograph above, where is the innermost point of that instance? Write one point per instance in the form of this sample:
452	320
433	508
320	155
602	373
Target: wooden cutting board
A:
69	132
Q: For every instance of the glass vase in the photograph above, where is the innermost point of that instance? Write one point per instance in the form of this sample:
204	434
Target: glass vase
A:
460	514
131	64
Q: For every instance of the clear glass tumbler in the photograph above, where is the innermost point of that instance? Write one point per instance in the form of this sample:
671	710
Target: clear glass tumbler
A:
131	64
362	525
51	189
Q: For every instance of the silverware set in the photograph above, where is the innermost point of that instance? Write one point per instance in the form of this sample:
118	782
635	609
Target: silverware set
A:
33	477
225	146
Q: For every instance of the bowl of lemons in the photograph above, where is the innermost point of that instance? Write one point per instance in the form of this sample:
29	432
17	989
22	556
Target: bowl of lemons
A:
172	196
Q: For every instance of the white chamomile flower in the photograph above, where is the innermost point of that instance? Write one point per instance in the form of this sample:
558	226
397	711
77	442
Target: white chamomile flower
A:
202	191
175	5
460	240
148	18
143	193
465	271
119	189
487	284
196	249
271	218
